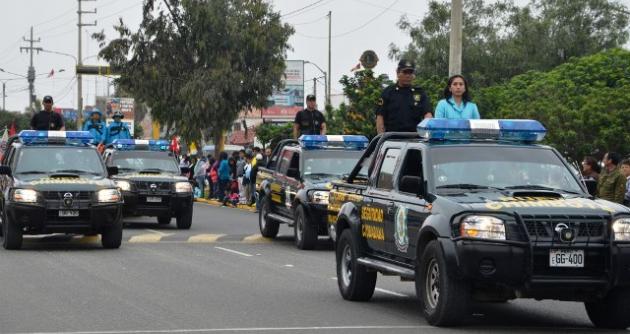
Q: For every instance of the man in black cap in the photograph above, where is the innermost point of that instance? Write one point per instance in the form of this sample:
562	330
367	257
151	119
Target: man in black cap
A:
47	119
402	106
309	121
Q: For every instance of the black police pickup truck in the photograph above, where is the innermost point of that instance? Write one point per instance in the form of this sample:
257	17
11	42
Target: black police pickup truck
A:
477	210
56	182
150	181
293	187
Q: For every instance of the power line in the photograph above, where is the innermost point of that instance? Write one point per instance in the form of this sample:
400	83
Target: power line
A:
355	29
310	22
383	7
301	9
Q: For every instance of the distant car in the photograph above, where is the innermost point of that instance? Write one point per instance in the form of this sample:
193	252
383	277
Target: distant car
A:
56	182
150	181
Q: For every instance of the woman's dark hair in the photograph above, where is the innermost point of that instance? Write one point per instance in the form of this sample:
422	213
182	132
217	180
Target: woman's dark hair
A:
223	156
447	93
231	161
593	163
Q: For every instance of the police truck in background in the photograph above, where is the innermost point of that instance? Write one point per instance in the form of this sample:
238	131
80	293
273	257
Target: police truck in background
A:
477	210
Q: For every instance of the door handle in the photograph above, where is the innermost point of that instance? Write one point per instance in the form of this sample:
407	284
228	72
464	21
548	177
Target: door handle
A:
390	207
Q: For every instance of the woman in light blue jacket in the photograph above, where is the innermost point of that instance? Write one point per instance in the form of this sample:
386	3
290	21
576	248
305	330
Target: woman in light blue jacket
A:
456	103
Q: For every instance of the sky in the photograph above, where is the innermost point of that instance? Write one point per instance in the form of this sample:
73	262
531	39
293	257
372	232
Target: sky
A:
357	25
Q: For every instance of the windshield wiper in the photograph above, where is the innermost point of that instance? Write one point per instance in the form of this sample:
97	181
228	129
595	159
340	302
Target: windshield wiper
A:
32	172
540	187
466	186
75	171
153	170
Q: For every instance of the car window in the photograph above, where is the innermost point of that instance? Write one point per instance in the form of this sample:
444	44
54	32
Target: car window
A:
386	173
76	159
285	161
411	167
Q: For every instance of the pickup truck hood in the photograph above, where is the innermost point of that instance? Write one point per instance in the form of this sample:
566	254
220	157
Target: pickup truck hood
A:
531	203
47	183
320	183
150	177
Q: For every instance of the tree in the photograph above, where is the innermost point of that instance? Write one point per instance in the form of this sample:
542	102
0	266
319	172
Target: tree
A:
269	134
583	103
197	64
502	40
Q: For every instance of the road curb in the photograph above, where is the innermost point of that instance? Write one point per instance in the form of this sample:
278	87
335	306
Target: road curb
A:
217	203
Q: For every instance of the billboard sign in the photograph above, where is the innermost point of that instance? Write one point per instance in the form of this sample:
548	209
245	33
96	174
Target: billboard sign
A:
288	100
124	104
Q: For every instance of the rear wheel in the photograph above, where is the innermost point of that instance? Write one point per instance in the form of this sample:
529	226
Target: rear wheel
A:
354	280
184	219
111	237
12	234
611	311
268	227
164	220
444	298
305	233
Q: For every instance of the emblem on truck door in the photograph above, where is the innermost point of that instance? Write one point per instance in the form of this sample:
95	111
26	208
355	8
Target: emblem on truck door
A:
400	236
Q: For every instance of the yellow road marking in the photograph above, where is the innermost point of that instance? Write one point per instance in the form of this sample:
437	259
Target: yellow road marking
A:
255	238
150	237
205	238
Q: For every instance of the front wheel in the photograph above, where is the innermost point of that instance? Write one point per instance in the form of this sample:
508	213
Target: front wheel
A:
305	233
355	281
444	298
268	227
184	219
111	237
611	311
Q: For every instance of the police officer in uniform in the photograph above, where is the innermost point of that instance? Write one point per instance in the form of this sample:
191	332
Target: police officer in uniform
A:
402	106
117	129
47	119
309	121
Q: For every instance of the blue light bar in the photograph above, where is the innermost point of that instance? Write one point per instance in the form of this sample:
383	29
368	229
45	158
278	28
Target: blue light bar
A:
35	137
350	142
141	144
521	130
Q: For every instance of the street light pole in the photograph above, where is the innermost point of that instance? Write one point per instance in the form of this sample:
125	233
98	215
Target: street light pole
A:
326	92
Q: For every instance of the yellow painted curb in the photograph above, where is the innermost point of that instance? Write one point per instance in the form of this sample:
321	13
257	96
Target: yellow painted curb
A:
150	237
217	203
255	238
207	238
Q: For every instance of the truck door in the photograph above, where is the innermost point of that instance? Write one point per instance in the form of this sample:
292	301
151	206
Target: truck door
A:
374	215
411	210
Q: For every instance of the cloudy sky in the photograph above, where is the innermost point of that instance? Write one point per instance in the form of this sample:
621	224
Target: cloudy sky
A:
357	25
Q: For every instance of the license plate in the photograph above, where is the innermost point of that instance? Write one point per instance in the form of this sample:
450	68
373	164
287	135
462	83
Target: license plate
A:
573	258
68	213
154	199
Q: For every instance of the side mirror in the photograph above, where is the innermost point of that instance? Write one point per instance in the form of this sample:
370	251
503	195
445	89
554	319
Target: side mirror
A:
184	170
293	173
412	184
112	170
5	170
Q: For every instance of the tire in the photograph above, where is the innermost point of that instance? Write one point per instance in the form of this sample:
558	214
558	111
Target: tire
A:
268	227
111	237
184	219
444	299
355	282
611	311
12	234
304	232
164	220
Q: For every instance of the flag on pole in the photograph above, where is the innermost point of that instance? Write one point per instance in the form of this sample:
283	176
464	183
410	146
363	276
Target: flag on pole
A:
3	142
12	130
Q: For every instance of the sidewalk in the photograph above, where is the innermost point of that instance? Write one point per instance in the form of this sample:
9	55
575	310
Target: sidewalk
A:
217	203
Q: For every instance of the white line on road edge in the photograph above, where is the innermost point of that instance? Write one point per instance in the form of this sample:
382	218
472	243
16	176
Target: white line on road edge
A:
233	251
393	293
252	329
158	232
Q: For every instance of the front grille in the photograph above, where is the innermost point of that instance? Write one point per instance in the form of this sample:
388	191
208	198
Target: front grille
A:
541	228
76	195
160	187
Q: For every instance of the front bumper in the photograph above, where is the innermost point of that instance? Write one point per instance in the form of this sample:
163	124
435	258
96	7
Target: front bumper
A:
138	204
41	219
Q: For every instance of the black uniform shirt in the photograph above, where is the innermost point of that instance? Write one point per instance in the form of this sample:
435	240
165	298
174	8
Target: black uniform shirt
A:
403	108
45	120
310	122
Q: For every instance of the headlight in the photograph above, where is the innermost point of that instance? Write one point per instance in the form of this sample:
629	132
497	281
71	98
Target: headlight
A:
621	229
25	195
183	187
320	197
109	196
123	185
482	227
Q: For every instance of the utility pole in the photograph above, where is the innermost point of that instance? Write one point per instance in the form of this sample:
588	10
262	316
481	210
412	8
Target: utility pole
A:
455	48
80	25
31	70
4	94
329	56
315	86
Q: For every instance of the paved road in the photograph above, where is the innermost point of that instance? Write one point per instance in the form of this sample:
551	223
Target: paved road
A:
232	284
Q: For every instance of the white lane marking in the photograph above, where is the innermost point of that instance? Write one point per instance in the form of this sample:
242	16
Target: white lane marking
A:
243	329
389	292
288	265
233	251
158	232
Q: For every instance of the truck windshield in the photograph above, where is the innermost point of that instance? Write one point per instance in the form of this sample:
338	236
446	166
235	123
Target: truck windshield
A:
501	167
328	162
145	161
44	160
